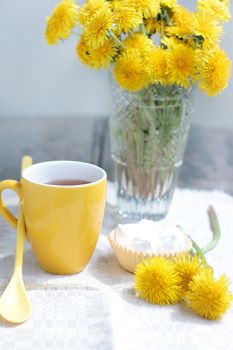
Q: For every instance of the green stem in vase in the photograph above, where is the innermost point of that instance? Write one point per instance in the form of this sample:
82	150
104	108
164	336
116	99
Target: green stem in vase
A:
149	128
117	40
142	29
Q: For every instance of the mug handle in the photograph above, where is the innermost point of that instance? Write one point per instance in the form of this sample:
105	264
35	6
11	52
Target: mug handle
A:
16	187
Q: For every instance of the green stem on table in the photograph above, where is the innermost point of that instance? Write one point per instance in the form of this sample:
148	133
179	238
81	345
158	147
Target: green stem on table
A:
215	227
117	40
198	251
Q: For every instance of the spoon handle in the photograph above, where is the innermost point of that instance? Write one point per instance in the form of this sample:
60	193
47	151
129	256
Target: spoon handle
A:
19	240
26	162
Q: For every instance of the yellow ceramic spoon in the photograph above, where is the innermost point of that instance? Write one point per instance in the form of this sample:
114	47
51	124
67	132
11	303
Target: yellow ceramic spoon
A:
15	306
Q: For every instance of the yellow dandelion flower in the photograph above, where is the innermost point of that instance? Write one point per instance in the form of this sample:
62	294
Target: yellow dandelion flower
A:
140	42
116	3
226	2
83	52
207	27
181	65
167	3
157	282
103	55
97	31
153	25
126	19
187	267
158	66
150	25
207	297
96	58
171	42
89	9
215	71
182	22
216	8
146	8
61	22
130	71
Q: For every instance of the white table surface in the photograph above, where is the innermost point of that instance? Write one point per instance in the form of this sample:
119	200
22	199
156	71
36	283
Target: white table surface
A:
98	309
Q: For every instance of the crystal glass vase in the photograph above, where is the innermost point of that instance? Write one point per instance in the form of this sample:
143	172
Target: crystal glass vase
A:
148	131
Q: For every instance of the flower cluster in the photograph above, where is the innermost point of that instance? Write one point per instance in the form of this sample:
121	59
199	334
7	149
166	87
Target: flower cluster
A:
148	41
185	278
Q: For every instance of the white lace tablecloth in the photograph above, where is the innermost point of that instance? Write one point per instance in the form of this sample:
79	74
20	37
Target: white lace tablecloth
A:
97	309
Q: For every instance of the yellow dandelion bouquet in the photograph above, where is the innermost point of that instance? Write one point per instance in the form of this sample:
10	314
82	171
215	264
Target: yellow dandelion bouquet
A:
156	50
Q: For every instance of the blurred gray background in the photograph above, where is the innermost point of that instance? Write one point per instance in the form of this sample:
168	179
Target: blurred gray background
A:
53	107
38	81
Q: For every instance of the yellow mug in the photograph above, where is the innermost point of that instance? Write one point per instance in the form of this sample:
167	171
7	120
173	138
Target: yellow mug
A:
63	222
